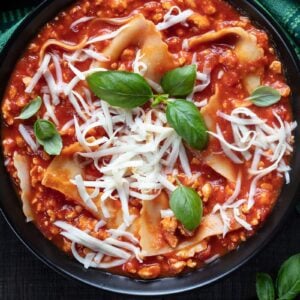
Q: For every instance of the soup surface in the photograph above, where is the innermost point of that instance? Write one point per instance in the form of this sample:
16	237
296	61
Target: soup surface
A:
165	166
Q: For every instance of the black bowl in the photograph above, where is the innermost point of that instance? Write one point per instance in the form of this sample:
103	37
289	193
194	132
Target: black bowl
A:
65	265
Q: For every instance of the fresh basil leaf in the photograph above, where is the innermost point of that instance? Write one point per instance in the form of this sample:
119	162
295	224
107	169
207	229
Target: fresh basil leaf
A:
288	278
188	122
44	129
30	109
187	207
264	287
53	145
264	96
118	88
180	81
48	136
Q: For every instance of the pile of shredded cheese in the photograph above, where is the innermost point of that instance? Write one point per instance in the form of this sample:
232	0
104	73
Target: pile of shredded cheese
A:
251	132
135	157
118	251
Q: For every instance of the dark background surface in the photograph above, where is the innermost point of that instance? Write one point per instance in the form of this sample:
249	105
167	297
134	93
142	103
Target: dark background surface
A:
13	4
22	276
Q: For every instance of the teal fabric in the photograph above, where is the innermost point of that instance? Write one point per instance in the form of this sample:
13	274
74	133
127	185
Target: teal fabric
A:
6	35
9	18
9	21
286	12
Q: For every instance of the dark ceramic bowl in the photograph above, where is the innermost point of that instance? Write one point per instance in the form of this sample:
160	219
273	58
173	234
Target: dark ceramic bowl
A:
57	260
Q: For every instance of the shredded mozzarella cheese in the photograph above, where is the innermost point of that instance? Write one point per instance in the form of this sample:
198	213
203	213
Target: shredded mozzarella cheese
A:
78	236
166	213
49	108
204	77
170	19
41	70
235	208
274	139
27	138
139	151
106	36
94	259
96	55
138	66
87	199
80	21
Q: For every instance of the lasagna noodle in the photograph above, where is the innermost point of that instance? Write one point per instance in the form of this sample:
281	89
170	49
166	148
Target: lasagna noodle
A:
22	165
246	48
58	176
218	162
151	238
251	82
154	52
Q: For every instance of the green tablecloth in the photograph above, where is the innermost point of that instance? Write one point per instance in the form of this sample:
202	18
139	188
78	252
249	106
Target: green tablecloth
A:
286	12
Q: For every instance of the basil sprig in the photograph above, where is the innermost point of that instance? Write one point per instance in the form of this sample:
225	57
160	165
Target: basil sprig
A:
118	88
180	81
187	207
48	136
287	282
45	131
30	109
264	96
188	122
129	90
264	287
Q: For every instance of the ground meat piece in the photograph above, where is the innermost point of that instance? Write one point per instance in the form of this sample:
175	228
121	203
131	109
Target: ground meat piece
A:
191	251
282	88
276	67
208	7
206	191
118	5
177	266
169	226
190	3
149	272
202	22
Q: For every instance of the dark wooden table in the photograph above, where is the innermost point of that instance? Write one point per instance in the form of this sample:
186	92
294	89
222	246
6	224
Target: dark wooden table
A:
22	276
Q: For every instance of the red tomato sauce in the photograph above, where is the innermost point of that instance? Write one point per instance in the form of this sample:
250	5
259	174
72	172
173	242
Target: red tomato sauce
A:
49	205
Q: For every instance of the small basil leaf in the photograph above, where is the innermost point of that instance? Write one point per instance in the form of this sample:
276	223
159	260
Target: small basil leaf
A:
30	109
118	88
264	287
188	122
288	278
179	82
264	96
48	136
187	207
44	129
53	145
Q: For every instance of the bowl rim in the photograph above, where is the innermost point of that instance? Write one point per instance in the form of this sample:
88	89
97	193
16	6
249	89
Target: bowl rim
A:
142	287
